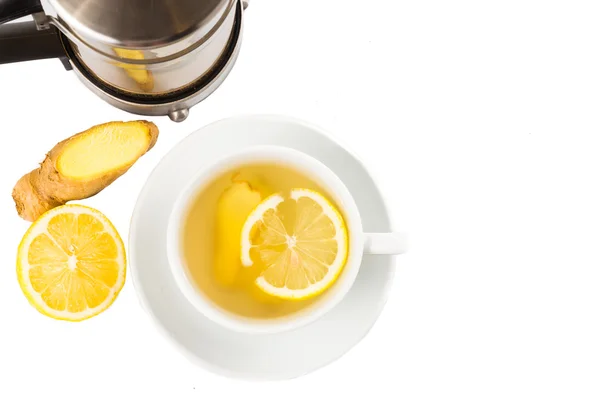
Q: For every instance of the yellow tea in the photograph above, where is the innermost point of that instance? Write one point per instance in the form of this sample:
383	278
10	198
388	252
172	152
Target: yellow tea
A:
293	248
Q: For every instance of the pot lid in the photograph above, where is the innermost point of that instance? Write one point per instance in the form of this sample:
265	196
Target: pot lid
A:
141	23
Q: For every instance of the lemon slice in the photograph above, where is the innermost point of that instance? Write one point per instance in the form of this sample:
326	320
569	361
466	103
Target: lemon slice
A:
71	263
302	251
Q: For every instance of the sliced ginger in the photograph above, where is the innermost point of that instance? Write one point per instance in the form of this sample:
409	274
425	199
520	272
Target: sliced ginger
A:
83	165
138	73
233	207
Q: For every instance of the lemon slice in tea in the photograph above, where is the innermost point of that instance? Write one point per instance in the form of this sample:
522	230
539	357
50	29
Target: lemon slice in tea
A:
299	258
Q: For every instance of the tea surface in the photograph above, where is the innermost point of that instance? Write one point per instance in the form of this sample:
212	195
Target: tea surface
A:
211	238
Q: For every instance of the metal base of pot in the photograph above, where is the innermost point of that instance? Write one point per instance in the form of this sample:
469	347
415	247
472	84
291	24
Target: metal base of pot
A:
175	104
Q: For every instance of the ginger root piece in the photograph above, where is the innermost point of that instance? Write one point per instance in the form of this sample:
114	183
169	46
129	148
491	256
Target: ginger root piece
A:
138	73
233	207
82	165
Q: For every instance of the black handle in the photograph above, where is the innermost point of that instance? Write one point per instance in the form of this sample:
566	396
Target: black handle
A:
13	9
21	41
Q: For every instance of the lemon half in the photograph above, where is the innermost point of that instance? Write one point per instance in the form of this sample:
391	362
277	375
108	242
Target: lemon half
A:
301	260
71	263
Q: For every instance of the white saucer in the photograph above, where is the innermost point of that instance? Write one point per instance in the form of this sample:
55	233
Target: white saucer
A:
278	356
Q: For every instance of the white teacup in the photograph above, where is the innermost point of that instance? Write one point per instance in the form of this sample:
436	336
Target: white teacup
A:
359	242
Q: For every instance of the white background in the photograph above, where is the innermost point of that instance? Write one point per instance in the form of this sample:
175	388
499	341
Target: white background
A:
480	120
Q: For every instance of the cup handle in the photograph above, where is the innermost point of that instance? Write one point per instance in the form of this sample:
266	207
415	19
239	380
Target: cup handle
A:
385	243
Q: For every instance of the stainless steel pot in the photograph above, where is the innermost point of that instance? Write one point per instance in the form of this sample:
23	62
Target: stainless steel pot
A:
155	57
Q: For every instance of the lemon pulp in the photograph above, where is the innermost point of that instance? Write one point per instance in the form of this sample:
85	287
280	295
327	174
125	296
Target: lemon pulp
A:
71	263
